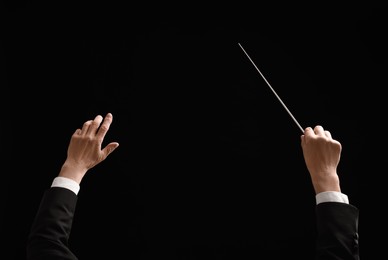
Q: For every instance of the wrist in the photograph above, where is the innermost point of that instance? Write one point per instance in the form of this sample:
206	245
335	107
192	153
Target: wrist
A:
327	183
72	172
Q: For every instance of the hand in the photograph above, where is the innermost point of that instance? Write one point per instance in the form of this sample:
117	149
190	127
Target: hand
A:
322	155
84	151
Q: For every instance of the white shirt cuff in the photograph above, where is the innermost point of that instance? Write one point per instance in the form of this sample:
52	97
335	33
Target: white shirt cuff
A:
66	183
331	196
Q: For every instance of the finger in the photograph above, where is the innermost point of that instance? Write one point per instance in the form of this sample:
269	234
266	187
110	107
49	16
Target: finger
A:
328	134
339	145
318	130
94	125
308	132
105	126
77	132
85	127
302	139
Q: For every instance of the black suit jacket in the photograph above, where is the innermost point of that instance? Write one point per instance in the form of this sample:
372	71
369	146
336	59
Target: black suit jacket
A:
50	231
337	226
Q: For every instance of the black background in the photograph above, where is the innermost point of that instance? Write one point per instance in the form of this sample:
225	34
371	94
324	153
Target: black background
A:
209	164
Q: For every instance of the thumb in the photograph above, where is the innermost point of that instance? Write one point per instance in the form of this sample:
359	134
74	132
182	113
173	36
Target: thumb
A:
110	148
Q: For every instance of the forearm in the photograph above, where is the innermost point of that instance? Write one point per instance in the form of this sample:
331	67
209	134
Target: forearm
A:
51	228
337	226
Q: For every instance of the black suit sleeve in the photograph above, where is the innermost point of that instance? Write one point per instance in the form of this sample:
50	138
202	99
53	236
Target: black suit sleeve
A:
50	231
337	226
